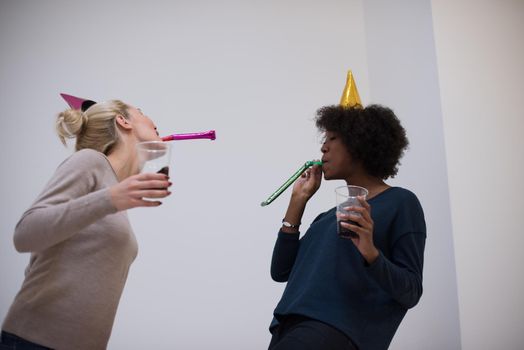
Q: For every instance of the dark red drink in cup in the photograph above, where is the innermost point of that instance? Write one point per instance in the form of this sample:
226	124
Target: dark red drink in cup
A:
347	196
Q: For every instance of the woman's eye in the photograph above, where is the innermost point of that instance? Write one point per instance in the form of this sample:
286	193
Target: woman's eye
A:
327	139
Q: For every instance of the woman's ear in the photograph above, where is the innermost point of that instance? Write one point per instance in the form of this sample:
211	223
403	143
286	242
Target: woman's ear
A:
123	122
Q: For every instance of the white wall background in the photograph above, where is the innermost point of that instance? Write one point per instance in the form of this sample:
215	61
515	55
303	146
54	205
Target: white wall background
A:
480	51
255	71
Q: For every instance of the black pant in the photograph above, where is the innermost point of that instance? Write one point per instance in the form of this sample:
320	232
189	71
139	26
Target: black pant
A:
302	333
10	341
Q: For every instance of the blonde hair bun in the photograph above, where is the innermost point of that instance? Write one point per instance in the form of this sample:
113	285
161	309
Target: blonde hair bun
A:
69	124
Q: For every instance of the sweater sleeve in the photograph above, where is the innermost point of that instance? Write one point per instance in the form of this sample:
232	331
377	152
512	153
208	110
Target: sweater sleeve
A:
401	275
69	203
399	272
284	255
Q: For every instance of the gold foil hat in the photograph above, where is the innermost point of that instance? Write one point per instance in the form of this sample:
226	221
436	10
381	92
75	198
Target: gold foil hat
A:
350	97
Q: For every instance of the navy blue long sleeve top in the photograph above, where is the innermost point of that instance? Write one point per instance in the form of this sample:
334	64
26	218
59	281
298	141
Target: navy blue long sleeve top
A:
329	280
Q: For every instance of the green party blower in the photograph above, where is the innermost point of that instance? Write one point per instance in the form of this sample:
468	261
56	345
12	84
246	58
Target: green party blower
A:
292	179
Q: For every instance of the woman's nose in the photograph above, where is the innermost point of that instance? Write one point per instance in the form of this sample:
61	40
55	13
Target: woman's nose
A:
323	148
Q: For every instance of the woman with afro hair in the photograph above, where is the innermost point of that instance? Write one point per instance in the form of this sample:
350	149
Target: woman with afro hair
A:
350	293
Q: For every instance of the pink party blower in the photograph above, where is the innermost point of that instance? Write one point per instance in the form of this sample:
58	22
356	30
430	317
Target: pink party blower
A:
83	104
191	136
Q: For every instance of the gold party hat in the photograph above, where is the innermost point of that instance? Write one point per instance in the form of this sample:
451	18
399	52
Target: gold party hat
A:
350	97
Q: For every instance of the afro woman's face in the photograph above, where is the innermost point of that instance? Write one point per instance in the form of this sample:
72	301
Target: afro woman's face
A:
337	162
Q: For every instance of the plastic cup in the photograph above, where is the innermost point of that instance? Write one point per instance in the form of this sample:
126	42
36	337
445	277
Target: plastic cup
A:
346	196
154	157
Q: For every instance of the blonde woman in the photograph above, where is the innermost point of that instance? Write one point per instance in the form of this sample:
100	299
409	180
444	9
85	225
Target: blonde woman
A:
78	232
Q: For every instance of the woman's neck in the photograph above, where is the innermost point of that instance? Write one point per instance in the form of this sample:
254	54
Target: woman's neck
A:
374	185
123	159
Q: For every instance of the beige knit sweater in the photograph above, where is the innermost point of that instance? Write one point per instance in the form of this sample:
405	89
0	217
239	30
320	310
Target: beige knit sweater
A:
81	249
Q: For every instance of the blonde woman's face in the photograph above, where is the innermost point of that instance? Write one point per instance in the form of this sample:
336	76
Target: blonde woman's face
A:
143	127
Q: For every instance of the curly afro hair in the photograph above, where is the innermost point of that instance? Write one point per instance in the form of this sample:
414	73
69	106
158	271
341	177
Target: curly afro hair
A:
372	135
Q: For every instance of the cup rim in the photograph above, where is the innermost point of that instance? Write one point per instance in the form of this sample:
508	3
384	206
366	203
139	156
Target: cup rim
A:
354	186
139	145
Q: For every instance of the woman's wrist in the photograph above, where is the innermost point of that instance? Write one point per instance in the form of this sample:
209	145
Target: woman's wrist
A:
299	199
292	220
371	256
290	226
289	230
